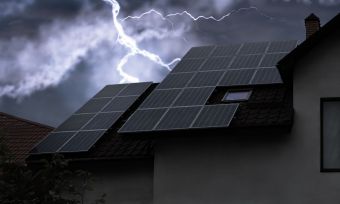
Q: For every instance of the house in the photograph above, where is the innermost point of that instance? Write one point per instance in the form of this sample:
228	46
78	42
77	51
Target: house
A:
255	122
20	135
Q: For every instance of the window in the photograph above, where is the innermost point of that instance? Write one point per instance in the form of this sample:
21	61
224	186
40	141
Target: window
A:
233	96
330	134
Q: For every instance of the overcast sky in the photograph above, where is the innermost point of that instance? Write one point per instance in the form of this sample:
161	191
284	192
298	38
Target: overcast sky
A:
56	54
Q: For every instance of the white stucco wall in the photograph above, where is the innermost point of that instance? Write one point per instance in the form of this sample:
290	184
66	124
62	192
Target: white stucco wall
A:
237	169
123	182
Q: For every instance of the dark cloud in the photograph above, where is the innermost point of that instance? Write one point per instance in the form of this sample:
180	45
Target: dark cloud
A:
40	23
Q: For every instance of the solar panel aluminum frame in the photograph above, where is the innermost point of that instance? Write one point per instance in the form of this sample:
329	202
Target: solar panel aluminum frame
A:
138	128
44	140
93	116
253	52
160	126
135	89
199	52
273	80
193	96
233	106
74	137
103	93
161	98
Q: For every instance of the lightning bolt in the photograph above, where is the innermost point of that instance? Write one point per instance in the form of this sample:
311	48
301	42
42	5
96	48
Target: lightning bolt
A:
131	44
166	17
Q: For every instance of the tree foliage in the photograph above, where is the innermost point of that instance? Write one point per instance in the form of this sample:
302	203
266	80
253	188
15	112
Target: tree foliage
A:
53	183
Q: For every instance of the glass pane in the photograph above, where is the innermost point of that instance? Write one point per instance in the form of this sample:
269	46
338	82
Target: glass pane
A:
237	96
331	135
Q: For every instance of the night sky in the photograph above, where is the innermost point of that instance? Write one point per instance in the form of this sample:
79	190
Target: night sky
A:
56	54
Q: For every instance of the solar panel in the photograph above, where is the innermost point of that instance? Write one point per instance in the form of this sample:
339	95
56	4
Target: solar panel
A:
103	121
206	79
282	46
82	141
94	105
178	118
135	89
253	48
160	98
99	113
143	120
216	63
188	65
120	103
175	81
267	76
194	96
179	98
52	142
199	52
75	122
110	90
216	116
227	50
271	60
237	77
246	61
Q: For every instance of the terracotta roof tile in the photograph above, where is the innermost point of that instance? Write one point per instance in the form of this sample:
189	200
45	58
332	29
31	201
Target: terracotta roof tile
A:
20	135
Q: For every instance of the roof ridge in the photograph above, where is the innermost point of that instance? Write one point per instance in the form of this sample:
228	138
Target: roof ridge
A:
27	121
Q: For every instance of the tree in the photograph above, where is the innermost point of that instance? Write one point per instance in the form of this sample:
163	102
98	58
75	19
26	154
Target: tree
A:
53	183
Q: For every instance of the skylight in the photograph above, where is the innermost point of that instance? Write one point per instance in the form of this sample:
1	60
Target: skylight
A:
233	96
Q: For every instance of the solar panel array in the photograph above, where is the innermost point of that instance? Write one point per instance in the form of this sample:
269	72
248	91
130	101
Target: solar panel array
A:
88	124
178	102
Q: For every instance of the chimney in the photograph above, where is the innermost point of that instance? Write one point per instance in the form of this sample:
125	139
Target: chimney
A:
312	24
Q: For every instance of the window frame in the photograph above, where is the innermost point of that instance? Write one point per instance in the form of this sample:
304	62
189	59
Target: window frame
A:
322	101
236	90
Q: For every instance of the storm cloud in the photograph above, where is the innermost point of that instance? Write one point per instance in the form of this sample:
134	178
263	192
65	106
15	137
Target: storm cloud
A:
56	54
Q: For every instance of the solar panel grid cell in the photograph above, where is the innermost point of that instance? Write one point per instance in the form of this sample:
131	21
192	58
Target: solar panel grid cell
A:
215	116
94	105
82	141
135	89
178	118
160	98
179	80
267	76
52	142
253	48
110	90
143	120
246	61
282	46
120	103
194	96
271	60
103	121
202	79
188	65
237	77
75	122
216	63
227	50
199	52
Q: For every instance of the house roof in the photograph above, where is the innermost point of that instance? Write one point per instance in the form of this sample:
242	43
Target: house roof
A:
286	64
268	106
91	132
188	99
20	135
181	100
